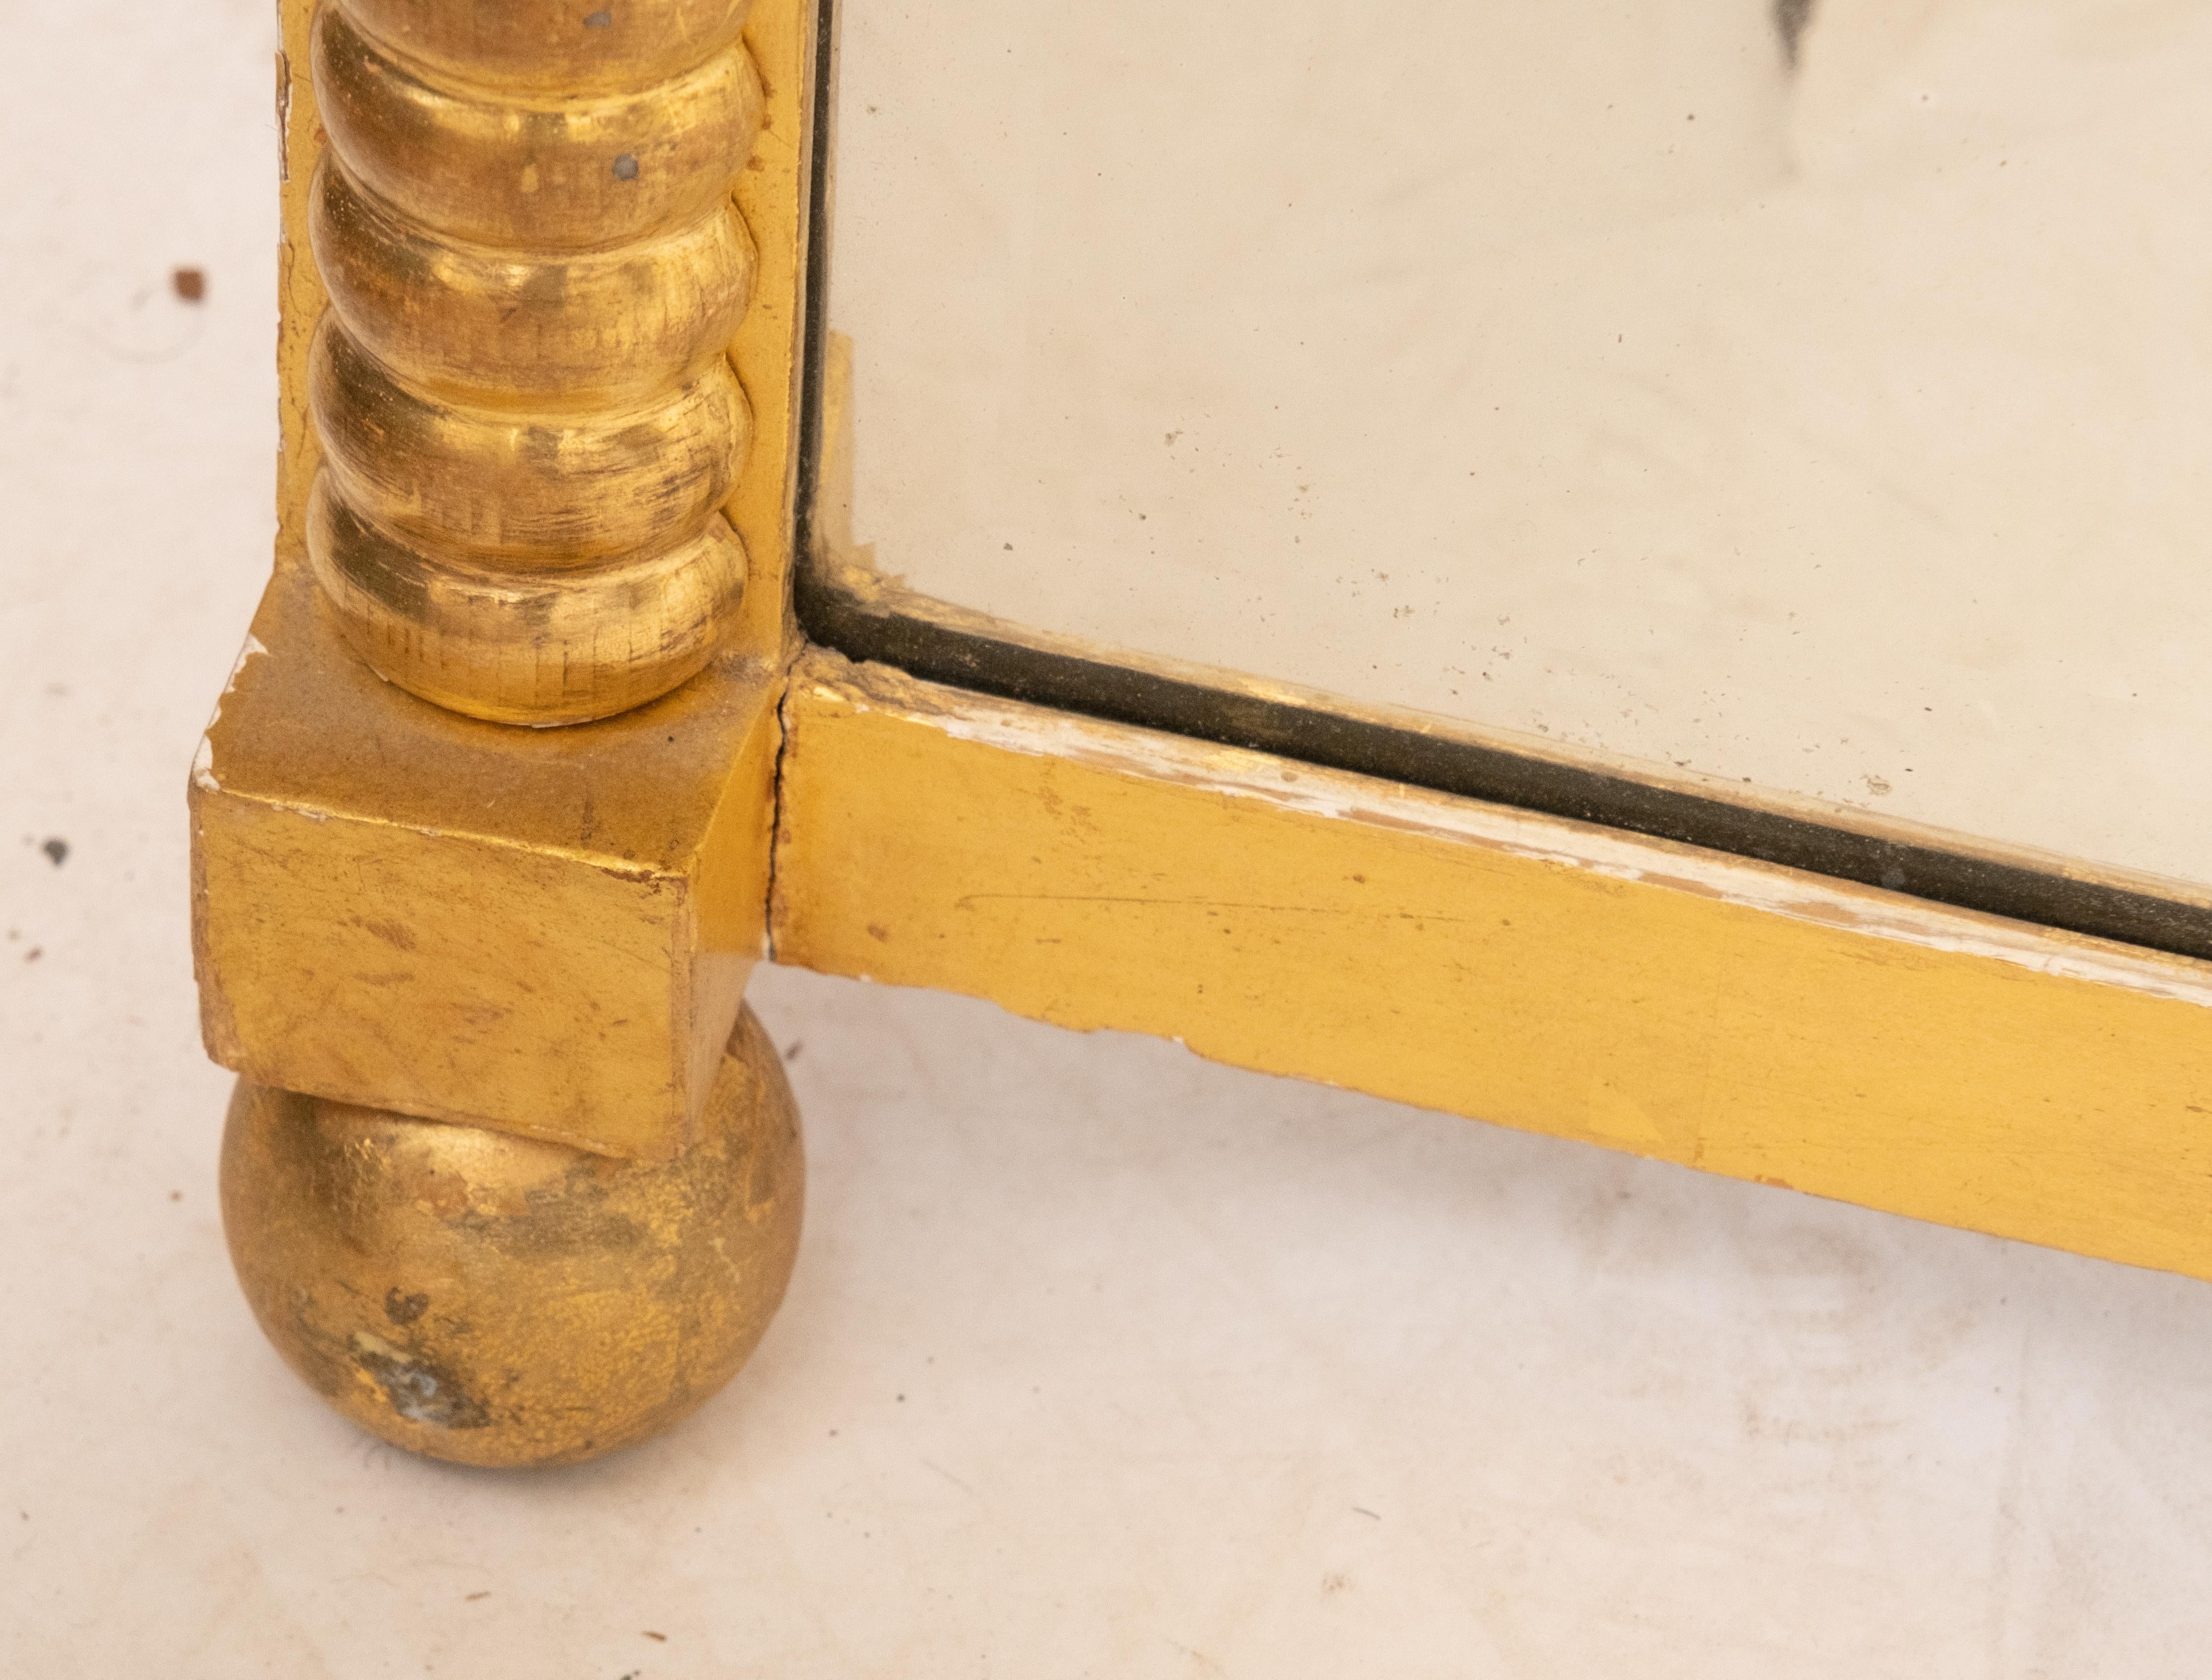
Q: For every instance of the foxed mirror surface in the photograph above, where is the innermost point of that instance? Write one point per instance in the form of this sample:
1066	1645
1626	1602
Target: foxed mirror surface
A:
1818	397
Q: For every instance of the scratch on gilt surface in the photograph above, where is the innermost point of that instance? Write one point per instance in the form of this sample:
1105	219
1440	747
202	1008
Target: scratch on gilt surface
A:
737	1276
967	899
1236	774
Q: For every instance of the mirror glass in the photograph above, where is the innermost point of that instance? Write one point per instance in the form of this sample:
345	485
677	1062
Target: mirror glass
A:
1813	397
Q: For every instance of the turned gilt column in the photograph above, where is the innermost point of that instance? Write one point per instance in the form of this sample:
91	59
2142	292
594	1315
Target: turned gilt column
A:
524	434
528	419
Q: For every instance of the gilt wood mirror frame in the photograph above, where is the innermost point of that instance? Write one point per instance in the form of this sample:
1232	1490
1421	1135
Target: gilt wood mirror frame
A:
584	682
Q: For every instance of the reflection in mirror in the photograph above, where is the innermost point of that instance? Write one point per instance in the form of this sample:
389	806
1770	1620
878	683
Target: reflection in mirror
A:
1806	397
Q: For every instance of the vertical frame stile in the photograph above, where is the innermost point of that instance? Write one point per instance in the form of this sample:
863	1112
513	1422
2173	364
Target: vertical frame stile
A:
539	930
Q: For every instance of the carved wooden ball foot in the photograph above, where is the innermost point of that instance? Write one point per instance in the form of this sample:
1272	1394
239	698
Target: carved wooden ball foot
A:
496	1300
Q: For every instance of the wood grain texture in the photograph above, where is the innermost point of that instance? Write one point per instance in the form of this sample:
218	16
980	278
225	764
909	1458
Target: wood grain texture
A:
1538	973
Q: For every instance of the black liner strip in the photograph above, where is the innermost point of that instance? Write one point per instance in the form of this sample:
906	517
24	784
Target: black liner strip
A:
1115	694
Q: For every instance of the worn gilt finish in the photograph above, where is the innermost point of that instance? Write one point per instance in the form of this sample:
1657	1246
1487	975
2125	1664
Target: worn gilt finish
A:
480	1297
1538	973
544	931
499	1181
482	980
528	417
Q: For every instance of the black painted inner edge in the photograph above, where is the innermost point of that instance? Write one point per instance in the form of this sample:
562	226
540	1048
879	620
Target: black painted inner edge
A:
1010	670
